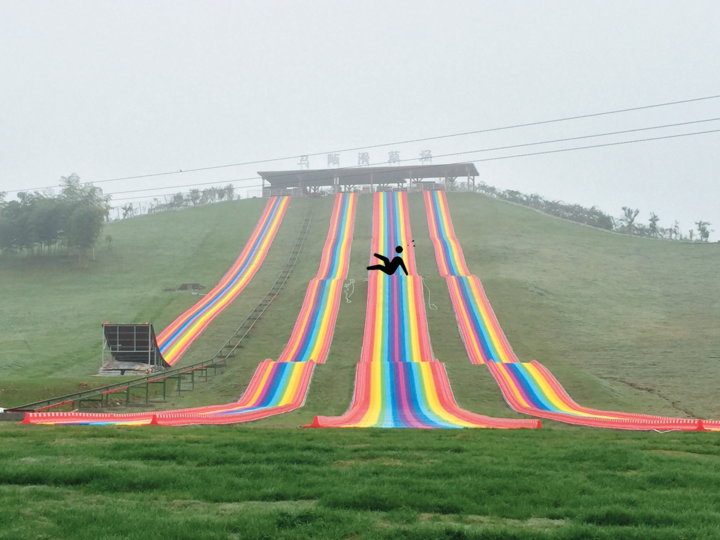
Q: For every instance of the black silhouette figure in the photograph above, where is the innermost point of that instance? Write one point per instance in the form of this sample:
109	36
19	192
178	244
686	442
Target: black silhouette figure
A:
390	266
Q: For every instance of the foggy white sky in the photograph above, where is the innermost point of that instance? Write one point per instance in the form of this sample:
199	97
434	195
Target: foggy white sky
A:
114	89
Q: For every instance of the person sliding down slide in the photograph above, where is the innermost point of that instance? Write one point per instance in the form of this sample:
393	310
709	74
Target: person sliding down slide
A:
390	266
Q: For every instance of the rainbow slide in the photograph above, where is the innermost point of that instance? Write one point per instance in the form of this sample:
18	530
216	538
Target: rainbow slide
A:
176	338
528	387
276	387
398	383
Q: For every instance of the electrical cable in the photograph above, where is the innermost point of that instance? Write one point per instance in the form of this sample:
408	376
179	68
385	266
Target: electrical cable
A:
512	156
424	139
483	150
580	137
599	145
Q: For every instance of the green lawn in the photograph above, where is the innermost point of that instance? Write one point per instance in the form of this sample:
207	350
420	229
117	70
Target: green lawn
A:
229	482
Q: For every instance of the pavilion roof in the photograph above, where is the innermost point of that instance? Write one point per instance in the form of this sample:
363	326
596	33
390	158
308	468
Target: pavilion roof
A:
366	175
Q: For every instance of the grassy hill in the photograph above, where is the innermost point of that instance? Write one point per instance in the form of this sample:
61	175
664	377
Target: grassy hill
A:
624	323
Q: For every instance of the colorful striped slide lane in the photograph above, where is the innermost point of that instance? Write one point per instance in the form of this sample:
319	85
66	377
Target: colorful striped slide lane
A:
312	335
276	387
279	387
398	383
176	338
527	387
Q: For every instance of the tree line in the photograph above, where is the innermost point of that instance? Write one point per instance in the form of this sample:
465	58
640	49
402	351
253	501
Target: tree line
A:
594	217
72	221
40	222
195	197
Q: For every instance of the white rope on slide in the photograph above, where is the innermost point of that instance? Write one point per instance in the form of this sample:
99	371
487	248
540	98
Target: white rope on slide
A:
429	303
346	288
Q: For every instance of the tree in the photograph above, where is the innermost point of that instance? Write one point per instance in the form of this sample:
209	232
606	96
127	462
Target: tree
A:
177	201
84	194
603	221
514	196
18	212
482	187
195	196
84	228
629	218
86	208
229	192
7	234
676	230
127	210
75	217
46	221
702	227
653	225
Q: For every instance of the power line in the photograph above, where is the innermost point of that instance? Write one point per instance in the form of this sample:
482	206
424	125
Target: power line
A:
618	143
444	155
598	145
580	137
438	137
677	124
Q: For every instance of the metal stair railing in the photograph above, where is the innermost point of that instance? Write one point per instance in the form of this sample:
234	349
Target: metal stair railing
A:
243	330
